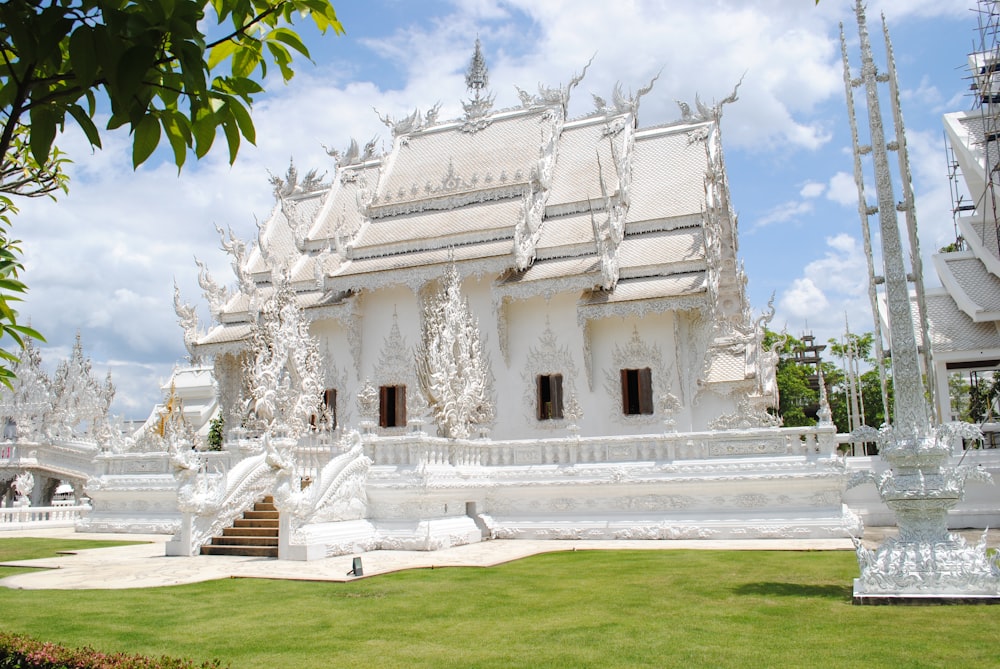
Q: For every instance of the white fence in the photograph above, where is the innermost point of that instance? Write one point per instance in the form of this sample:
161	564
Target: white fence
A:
37	517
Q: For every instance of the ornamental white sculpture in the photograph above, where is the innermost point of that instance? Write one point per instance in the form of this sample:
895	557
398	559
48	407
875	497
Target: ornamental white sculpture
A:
23	484
24	409
283	371
924	560
452	367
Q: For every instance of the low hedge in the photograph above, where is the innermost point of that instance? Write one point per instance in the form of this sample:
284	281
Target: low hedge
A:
22	652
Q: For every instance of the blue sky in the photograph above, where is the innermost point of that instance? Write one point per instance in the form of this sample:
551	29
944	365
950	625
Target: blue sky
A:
103	260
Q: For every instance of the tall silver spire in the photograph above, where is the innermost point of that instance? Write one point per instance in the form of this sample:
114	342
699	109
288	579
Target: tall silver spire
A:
477	79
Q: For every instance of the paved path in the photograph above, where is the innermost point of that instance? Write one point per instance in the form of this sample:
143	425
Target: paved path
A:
145	565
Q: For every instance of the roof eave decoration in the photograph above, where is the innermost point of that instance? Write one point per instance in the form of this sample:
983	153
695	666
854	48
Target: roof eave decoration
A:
621	103
353	155
528	228
553	96
408	125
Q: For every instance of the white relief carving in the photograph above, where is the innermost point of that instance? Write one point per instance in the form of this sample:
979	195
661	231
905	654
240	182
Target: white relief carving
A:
336	494
546	359
636	354
453	368
395	368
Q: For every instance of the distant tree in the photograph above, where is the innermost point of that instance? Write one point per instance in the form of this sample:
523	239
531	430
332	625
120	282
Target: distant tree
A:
868	383
958	395
155	66
981	407
795	394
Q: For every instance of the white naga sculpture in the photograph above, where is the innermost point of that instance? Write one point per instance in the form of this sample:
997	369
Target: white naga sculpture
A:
23	484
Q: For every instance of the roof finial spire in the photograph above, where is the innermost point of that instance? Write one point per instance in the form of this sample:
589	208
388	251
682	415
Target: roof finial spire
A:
477	78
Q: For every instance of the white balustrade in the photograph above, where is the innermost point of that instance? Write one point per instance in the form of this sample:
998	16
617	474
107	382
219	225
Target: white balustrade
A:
22	517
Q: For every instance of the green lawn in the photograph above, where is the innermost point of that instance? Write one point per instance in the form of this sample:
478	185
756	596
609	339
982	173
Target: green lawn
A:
32	548
576	609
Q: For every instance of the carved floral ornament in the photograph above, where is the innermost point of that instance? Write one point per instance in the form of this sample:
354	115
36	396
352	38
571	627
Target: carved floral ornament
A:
638	354
549	358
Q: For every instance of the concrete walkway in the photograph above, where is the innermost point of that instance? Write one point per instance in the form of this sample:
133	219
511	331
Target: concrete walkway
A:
145	565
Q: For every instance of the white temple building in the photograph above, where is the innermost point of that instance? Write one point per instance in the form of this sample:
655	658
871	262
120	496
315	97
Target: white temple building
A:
599	259
964	314
510	325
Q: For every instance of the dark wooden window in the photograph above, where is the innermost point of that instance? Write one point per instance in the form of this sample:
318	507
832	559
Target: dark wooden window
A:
637	391
392	406
549	394
328	407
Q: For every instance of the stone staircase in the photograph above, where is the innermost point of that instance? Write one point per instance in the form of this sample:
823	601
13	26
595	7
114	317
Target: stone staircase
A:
253	535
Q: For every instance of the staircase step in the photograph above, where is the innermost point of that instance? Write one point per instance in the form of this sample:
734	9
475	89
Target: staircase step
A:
267	522
244	541
243	551
253	535
241	531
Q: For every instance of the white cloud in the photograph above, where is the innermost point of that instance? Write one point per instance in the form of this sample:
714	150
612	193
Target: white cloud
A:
783	213
843	190
812	189
831	290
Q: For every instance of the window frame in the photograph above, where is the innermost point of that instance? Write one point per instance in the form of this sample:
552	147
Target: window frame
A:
637	391
392	406
548	397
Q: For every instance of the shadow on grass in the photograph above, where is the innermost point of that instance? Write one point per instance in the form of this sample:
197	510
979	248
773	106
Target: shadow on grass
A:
844	592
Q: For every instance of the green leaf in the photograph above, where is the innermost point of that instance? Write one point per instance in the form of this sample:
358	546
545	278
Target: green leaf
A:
289	37
243	120
246	59
132	68
26	331
146	136
203	129
232	137
220	52
43	132
83	55
177	135
282	58
86	124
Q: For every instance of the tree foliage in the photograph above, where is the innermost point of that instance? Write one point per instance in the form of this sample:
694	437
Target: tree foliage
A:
150	62
184	70
798	399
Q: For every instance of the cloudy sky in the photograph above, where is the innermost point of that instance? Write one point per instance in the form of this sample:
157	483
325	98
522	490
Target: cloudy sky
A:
103	260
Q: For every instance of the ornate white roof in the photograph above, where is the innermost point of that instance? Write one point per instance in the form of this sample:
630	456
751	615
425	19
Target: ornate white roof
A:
973	288
596	205
953	331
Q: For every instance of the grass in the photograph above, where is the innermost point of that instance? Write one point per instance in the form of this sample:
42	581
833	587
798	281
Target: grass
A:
33	548
575	609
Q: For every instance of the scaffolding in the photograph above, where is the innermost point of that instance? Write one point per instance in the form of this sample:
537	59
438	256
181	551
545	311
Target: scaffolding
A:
984	84
980	211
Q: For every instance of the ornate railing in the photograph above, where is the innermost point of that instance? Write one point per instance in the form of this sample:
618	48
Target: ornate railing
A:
422	449
19	517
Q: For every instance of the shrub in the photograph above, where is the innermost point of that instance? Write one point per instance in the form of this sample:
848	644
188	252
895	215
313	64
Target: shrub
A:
215	433
23	652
